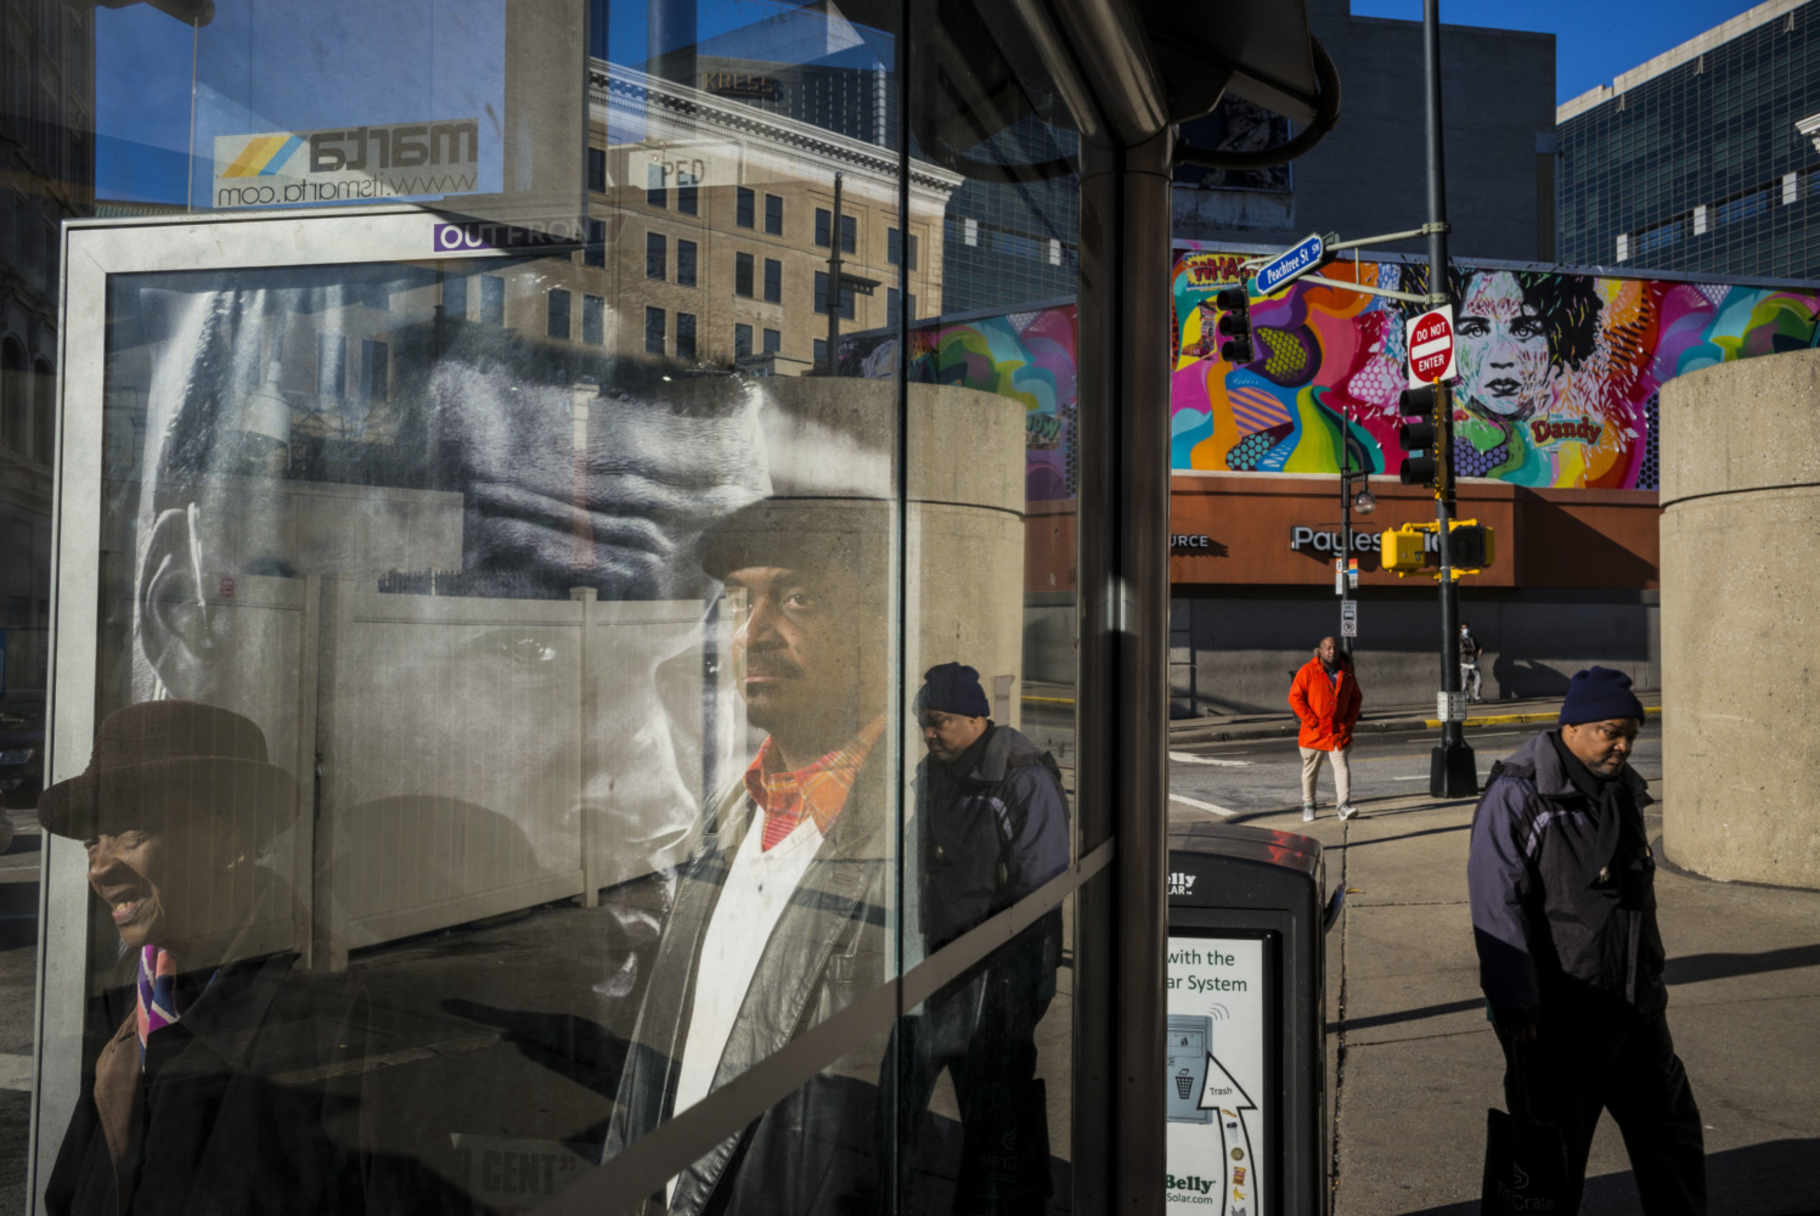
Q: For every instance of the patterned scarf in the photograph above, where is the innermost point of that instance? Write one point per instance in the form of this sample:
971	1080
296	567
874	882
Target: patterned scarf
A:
157	1004
816	791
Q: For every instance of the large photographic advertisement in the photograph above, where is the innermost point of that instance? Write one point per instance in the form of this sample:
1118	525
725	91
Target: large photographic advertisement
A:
1559	371
1219	1096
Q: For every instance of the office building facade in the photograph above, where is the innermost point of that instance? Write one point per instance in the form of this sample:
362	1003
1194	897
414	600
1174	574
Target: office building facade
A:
1702	159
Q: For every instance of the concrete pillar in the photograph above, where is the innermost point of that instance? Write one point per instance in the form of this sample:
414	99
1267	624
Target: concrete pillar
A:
964	536
1740	460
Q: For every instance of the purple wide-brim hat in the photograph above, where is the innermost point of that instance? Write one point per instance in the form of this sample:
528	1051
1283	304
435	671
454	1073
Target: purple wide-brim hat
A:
160	760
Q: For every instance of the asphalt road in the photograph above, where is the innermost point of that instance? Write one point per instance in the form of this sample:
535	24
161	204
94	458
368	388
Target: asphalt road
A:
1247	777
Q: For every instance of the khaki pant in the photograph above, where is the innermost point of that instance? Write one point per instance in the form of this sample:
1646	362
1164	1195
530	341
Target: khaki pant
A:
1342	773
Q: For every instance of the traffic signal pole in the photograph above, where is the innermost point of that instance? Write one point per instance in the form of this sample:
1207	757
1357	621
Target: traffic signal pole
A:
1452	771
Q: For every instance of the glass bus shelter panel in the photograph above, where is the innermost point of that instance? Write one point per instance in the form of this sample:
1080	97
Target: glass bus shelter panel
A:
472	106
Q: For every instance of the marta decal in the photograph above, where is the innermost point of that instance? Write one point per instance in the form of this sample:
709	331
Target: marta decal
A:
347	164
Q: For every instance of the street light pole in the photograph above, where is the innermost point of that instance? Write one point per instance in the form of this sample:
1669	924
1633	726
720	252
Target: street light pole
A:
834	277
1452	771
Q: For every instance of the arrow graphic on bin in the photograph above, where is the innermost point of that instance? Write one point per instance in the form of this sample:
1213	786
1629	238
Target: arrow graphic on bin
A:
1223	1094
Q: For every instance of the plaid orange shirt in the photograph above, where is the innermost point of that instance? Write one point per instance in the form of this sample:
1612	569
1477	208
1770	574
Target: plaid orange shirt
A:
816	791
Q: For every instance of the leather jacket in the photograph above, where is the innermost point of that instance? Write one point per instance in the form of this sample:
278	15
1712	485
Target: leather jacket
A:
811	1152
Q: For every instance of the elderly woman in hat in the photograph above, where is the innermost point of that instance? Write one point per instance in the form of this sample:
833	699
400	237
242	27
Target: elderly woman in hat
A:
208	1095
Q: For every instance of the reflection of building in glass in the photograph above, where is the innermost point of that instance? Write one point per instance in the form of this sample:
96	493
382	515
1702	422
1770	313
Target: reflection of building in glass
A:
47	153
711	224
1696	160
1012	243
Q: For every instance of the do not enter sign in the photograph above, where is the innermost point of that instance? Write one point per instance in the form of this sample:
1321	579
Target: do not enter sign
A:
1429	338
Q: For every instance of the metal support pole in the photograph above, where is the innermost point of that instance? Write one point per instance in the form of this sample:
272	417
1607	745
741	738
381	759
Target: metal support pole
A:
1452	771
1344	569
834	273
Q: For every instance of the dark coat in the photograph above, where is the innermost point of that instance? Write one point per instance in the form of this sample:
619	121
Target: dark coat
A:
1562	888
812	1152
232	1113
992	827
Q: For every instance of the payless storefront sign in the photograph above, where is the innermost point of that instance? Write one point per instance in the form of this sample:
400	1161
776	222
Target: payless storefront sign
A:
347	165
1303	538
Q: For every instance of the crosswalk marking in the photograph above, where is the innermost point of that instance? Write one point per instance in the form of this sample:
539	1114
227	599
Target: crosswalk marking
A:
1198	805
1191	758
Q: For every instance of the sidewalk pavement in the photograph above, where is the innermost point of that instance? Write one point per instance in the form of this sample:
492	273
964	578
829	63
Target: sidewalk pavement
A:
1413	1064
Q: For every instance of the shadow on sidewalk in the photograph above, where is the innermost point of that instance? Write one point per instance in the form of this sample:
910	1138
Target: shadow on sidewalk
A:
1776	1178
1696	967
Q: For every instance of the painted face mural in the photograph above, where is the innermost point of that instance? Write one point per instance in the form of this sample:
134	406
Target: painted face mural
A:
1502	349
1559	372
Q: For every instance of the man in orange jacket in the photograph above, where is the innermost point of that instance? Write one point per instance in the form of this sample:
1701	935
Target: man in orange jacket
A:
1325	697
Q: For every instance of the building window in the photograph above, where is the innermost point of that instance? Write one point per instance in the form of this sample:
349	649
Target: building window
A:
331	366
1623	251
654	331
597	169
559	313
745	203
774	281
819	351
847	296
492	299
1055	252
970	231
742	275
376	363
455	297
593	320
742	341
685	262
894	300
654	255
685	335
849	234
595	252
774	341
774	214
894	249
655	194
687	194
824	225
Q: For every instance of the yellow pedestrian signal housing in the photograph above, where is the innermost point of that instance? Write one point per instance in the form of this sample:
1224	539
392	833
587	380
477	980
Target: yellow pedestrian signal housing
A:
1411	547
1470	545
1404	549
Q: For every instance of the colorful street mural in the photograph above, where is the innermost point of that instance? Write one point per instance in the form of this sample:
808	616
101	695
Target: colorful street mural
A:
1559	372
1029	356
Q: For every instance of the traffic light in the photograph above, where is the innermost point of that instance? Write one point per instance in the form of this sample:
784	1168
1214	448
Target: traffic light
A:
1420	436
1469	545
1235	324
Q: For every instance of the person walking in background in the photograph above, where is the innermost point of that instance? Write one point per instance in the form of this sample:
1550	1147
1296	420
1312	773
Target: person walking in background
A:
1562	887
1325	697
991	827
1470	650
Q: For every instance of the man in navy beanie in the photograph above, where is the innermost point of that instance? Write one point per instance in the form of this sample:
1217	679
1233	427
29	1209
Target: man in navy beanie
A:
991	826
1562	886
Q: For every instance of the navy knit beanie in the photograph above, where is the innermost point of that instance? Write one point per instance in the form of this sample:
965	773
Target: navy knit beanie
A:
1599	693
953	688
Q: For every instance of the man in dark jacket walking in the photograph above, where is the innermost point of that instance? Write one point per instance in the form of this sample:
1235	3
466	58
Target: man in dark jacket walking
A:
1562	887
991	827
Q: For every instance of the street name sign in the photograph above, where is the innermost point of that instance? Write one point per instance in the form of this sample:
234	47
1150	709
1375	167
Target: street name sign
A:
1429	339
1290	264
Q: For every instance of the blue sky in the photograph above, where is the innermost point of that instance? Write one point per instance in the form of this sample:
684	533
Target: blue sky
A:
1594	39
284	73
